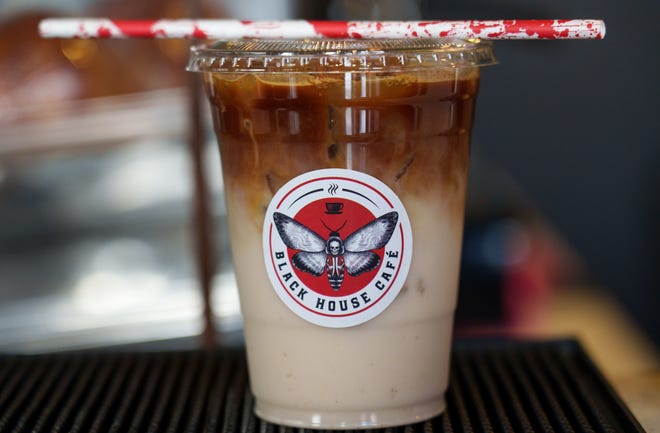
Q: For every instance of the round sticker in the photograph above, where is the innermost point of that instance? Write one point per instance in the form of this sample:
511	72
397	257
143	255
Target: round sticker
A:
337	246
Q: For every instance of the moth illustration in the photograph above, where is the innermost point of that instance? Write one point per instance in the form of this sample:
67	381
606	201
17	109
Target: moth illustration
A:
335	255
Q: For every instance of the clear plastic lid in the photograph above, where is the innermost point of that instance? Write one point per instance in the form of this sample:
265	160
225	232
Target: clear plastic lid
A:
339	55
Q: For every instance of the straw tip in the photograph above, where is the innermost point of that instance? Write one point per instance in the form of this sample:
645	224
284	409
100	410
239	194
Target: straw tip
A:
601	33
43	27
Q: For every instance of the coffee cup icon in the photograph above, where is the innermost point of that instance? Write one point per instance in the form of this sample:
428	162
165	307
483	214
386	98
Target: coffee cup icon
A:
334	207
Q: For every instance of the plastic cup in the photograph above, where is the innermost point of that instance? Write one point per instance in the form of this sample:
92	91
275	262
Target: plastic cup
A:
344	166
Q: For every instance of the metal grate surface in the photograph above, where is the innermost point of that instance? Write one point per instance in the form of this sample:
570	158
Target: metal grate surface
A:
496	386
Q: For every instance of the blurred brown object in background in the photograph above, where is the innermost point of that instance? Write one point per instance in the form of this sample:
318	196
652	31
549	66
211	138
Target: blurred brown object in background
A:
35	70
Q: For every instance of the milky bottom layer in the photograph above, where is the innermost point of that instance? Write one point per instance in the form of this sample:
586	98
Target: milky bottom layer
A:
390	370
345	419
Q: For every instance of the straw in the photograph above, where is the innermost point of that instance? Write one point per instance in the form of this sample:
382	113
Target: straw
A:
298	29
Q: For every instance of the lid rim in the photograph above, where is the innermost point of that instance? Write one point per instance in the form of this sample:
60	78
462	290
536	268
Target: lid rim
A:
339	55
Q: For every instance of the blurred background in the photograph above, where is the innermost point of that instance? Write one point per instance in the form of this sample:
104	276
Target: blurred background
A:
98	235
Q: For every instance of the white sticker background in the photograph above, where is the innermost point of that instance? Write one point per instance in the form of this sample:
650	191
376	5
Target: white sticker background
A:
310	295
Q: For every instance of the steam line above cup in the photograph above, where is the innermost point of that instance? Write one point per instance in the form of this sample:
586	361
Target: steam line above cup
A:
301	29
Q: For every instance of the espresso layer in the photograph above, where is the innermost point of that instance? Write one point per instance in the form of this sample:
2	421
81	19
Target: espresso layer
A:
409	130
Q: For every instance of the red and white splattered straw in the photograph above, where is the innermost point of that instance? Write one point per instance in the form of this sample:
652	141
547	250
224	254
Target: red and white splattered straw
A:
299	29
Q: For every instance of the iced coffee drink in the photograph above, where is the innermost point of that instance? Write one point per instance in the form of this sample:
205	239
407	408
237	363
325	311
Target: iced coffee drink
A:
344	166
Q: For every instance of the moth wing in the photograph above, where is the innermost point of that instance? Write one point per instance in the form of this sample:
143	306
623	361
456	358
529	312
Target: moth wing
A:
373	235
313	263
359	263
296	236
